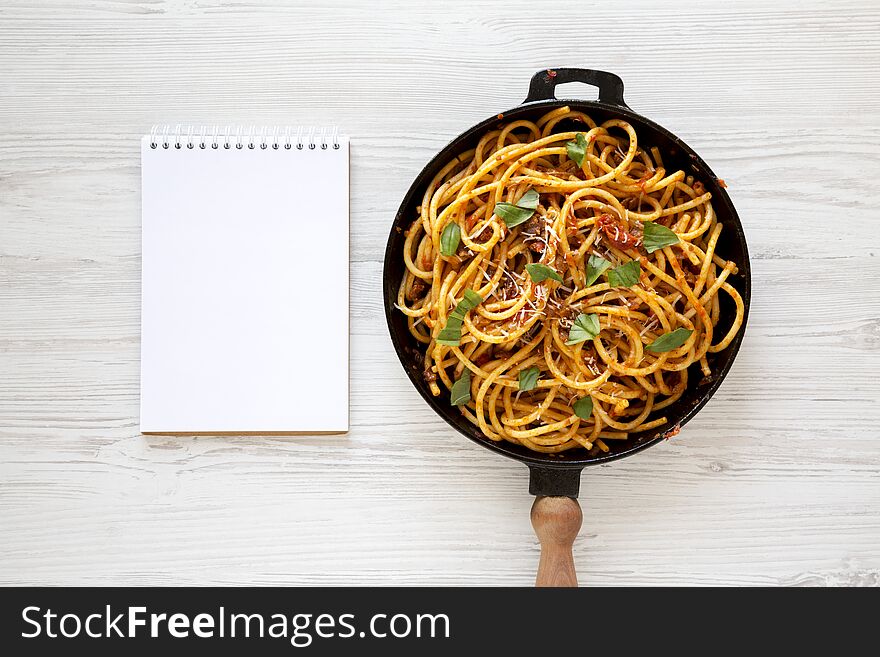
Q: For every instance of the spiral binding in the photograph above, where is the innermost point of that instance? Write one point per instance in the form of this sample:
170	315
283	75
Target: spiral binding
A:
240	137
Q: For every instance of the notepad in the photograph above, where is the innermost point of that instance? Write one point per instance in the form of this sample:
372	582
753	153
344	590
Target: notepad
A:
244	326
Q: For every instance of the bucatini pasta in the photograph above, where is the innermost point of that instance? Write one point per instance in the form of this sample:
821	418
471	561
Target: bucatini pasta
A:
562	283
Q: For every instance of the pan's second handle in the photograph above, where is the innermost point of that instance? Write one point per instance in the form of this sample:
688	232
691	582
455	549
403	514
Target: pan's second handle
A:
557	521
543	85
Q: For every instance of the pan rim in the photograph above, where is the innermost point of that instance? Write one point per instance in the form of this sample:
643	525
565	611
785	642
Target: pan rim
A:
539	459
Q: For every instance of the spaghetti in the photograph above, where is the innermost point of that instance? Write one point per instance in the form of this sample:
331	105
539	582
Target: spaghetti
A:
562	283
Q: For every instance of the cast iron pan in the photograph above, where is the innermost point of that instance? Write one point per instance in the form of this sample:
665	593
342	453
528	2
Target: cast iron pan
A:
555	478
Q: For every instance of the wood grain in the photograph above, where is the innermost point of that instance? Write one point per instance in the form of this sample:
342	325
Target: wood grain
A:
776	482
556	521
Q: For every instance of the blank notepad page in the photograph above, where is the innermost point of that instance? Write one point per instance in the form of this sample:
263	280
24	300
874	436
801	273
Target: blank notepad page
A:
245	282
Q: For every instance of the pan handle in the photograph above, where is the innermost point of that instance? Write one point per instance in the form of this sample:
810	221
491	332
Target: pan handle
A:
543	85
556	519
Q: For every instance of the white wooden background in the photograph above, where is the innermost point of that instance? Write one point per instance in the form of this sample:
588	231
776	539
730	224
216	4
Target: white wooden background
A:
777	481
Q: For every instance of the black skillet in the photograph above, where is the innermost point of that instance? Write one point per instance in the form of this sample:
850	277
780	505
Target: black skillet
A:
555	478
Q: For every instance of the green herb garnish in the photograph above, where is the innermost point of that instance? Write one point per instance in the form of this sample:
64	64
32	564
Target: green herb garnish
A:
626	275
577	149
529	200
450	335
516	214
540	272
585	327
595	266
656	236
583	407
471	300
528	378
461	389
669	341
449	239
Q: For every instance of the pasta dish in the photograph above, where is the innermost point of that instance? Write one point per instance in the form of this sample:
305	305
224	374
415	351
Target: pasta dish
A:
562	283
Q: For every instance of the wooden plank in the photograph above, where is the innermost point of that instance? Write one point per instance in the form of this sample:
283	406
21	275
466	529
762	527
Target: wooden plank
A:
776	482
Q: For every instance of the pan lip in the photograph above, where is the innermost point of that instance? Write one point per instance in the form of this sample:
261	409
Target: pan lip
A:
538	459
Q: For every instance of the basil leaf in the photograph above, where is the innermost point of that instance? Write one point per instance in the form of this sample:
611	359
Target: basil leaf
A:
461	389
656	236
529	200
514	215
670	341
595	266
577	149
583	407
539	272
449	239
528	378
585	327
626	275
450	339
450	335
471	300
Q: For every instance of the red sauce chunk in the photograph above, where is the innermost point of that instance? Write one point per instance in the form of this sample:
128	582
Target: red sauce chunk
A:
616	233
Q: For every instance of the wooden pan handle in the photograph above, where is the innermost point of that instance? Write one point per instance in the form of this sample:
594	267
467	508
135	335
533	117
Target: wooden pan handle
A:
557	521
